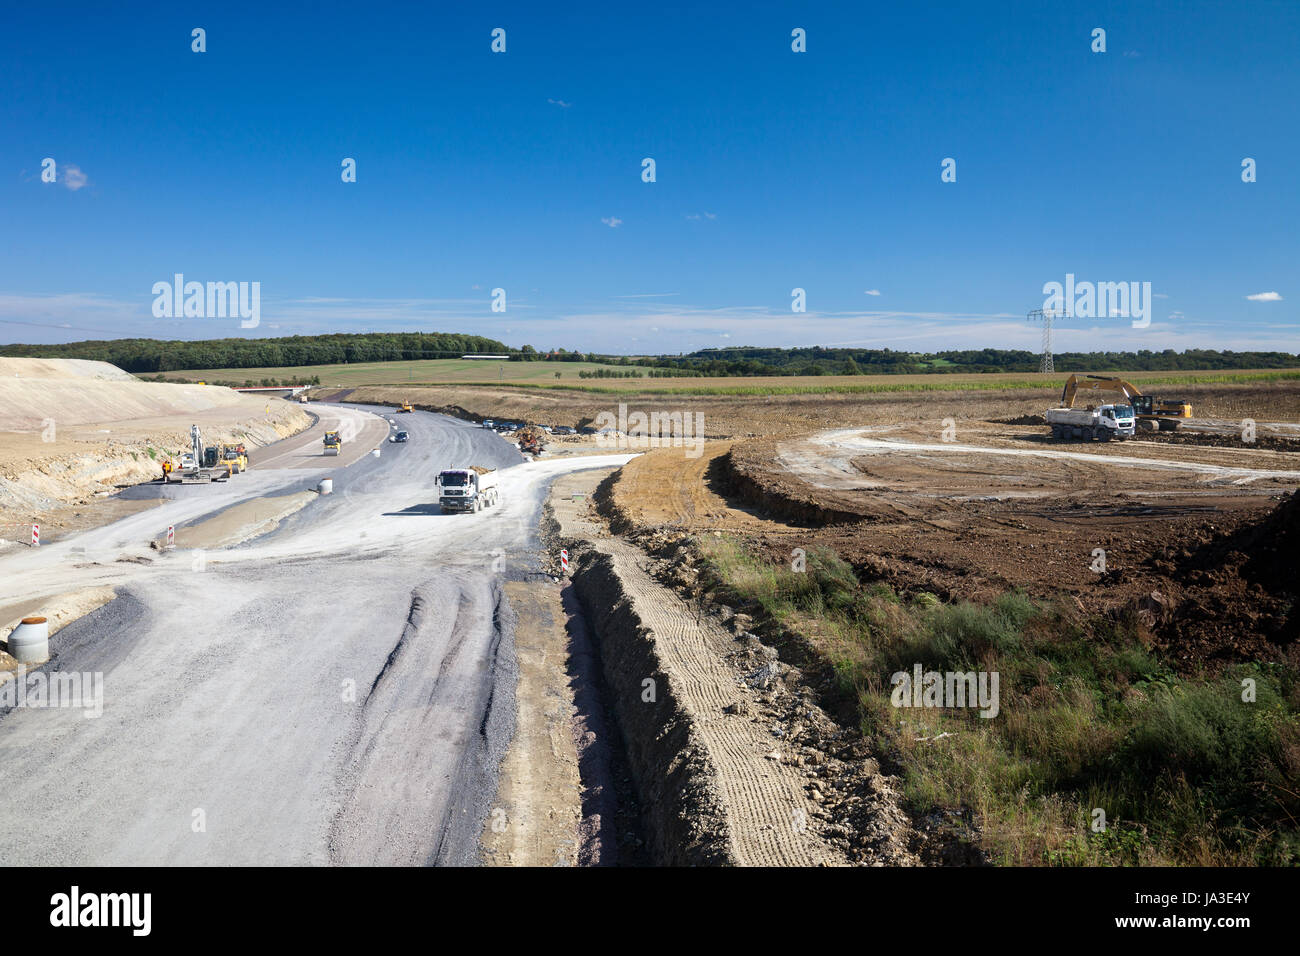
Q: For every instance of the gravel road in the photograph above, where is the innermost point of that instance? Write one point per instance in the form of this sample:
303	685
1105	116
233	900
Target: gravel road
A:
338	691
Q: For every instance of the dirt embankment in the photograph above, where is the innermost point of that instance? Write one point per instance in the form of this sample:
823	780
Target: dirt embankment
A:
72	432
675	777
746	472
734	761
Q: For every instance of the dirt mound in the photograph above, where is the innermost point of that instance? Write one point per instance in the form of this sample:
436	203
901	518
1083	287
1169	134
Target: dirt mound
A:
1210	440
62	368
747	473
1020	420
1229	596
73	431
73	399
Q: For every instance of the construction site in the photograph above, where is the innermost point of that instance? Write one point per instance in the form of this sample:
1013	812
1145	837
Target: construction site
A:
1119	554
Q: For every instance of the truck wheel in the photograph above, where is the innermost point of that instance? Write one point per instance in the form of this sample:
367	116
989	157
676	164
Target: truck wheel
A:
1104	434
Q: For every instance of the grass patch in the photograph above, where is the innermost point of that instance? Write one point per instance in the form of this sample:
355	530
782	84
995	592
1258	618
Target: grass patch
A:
1186	772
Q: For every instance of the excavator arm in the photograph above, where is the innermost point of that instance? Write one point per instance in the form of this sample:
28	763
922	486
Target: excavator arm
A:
1097	383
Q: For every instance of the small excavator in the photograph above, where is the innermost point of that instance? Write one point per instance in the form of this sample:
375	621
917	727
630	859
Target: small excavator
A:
1152	412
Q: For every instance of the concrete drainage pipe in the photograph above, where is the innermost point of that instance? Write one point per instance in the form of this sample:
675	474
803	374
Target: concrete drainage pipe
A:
29	643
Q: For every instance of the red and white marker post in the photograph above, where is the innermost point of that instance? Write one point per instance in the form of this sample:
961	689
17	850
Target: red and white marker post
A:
171	536
36	536
564	560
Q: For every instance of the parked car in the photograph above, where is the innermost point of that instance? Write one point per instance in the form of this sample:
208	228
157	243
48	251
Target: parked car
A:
563	430
401	436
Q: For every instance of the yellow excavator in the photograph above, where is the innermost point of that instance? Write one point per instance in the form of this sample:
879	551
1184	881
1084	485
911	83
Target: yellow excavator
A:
1153	413
406	407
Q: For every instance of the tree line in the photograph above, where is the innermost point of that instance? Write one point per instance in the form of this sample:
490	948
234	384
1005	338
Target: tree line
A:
143	356
842	361
151	356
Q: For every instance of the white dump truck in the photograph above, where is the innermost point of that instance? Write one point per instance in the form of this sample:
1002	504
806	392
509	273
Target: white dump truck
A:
467	489
1102	422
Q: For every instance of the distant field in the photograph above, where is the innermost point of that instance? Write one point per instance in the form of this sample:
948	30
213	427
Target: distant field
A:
419	372
867	384
543	375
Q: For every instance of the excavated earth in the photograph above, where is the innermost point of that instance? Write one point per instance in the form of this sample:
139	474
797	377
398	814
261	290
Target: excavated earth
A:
1181	536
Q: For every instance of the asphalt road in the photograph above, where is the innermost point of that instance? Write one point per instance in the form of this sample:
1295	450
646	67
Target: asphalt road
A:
339	691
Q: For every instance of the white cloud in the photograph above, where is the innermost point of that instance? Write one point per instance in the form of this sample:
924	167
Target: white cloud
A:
560	103
871	291
74	178
613	221
1265	297
671	327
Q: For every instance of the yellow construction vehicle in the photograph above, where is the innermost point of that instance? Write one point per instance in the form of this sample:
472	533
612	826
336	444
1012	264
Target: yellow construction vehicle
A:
236	456
333	443
406	407
1151	411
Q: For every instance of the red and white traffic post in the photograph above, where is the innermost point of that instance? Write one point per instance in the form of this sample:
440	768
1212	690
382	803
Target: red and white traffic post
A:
171	536
36	536
564	560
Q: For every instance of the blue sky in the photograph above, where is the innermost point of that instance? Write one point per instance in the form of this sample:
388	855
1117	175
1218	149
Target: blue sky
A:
775	170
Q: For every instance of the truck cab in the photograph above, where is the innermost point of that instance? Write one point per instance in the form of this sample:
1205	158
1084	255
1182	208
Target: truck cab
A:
1119	417
466	489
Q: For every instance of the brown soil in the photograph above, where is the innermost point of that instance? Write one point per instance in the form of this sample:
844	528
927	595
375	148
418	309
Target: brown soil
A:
768	416
1182	518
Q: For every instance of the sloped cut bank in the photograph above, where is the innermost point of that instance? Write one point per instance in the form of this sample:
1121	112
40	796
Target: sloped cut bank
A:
671	770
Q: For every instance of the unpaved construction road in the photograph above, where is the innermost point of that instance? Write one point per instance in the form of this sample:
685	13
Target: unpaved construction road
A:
337	691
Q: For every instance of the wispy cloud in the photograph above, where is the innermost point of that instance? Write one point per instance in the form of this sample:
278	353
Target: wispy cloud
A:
612	324
871	291
697	216
74	178
612	221
1265	297
560	103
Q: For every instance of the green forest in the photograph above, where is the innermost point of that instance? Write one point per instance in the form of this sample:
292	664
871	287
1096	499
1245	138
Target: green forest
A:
141	356
144	356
